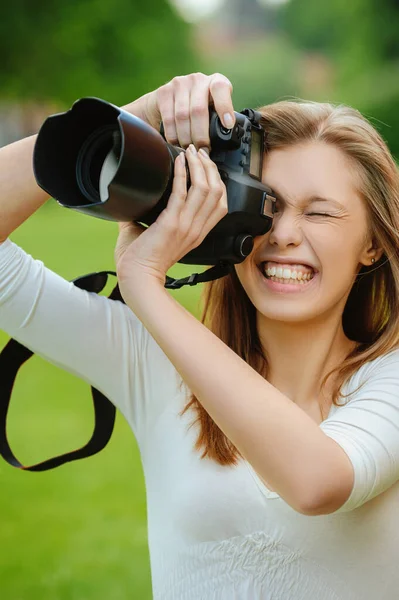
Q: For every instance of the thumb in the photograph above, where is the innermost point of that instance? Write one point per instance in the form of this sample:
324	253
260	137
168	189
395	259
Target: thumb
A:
152	111
128	232
130	229
125	224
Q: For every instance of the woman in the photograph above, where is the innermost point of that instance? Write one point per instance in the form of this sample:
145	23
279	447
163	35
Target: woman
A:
240	431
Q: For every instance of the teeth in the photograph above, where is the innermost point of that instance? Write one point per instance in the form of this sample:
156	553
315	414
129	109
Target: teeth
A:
284	273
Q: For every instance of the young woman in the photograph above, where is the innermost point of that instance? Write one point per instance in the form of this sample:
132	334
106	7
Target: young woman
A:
261	482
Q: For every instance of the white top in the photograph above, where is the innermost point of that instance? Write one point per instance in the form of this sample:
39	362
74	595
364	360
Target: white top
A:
217	533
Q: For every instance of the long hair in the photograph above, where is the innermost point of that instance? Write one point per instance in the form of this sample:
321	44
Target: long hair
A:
372	308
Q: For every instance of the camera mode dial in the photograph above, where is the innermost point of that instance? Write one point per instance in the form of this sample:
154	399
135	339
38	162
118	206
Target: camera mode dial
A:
243	245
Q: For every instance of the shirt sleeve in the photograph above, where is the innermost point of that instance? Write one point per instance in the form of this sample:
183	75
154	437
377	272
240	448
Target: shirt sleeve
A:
367	429
99	340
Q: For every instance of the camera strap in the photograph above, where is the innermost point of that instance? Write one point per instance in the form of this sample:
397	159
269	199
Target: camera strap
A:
14	355
219	270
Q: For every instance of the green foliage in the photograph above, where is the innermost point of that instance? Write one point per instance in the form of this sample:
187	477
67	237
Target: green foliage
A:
361	39
119	50
359	33
262	70
355	42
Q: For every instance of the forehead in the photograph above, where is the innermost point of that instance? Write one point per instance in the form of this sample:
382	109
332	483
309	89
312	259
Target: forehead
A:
301	171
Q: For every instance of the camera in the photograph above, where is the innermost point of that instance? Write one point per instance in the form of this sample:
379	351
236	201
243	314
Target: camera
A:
101	160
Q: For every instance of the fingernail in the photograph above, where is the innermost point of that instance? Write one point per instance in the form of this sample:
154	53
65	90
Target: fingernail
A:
203	152
192	149
228	120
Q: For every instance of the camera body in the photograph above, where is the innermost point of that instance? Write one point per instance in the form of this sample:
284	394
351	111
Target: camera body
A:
100	160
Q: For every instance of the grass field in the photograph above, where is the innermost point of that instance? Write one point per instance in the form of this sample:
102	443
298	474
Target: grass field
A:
78	532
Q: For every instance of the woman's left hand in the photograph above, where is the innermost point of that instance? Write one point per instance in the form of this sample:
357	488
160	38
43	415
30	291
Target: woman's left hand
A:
187	219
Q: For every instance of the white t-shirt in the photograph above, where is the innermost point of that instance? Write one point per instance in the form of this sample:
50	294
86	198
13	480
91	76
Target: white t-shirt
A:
217	533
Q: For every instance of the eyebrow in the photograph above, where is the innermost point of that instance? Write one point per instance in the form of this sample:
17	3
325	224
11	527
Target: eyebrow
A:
311	199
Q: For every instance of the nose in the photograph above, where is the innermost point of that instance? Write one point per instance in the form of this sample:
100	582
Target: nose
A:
285	230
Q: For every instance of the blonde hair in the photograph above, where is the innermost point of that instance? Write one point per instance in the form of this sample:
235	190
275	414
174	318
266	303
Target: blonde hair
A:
371	312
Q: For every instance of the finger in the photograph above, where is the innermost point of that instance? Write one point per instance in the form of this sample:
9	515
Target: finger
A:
199	113
178	194
199	190
166	104
182	112
212	218
216	205
221	89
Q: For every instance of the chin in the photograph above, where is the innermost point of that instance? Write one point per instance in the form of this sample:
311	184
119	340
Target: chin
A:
283	315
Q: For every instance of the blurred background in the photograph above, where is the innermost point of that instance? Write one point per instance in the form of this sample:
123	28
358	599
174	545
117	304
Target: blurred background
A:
80	532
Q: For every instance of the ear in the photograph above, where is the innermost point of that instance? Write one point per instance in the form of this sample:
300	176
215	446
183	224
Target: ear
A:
372	251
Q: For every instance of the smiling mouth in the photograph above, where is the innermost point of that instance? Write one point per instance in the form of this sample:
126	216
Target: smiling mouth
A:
298	274
300	278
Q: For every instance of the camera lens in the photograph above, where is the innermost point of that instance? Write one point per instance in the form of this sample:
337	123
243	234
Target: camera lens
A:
91	158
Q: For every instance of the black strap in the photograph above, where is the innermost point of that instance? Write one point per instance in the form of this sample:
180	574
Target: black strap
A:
219	270
14	355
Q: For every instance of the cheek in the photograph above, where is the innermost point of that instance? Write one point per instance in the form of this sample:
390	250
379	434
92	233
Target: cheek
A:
327	246
334	247
241	270
248	275
245	273
331	246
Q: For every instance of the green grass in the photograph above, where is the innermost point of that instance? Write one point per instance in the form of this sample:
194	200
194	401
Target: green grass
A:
78	532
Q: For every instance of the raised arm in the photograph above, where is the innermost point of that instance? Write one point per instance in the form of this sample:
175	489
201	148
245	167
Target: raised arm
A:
20	196
97	339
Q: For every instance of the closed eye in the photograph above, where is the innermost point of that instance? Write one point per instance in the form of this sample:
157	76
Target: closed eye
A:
319	214
276	210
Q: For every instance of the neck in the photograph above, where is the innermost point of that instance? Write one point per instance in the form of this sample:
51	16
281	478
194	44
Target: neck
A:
299	355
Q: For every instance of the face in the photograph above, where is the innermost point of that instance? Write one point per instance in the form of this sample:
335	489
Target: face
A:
334	243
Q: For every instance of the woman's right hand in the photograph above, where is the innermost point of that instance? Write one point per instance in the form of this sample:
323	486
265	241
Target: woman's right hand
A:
182	105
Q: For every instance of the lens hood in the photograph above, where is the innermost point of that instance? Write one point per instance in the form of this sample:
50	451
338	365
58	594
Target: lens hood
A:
101	160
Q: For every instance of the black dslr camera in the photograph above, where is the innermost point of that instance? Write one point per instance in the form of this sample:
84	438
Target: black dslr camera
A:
101	160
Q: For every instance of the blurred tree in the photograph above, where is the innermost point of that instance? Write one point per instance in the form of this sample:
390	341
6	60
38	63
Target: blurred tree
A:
245	44
262	70
360	33
247	18
361	38
59	51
